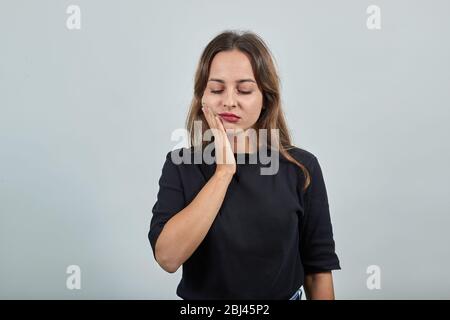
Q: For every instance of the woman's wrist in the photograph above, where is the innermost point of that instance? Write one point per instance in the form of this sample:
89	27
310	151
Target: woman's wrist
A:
224	174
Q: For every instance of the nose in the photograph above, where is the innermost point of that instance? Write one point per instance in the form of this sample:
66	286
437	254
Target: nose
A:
230	99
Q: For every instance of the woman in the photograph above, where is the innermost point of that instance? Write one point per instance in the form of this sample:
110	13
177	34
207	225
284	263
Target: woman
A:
240	234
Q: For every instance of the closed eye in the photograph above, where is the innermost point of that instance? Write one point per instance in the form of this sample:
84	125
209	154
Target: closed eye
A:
220	91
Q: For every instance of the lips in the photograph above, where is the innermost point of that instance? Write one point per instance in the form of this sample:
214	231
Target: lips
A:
229	117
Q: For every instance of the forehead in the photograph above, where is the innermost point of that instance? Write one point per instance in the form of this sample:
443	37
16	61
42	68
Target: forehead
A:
231	66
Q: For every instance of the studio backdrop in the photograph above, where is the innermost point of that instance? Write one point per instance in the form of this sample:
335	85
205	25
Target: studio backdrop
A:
91	92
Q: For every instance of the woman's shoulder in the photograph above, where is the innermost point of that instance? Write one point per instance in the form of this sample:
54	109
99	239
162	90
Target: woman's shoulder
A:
302	155
187	156
180	155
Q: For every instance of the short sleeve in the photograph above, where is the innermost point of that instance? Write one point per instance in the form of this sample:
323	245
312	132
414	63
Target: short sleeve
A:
317	246
170	200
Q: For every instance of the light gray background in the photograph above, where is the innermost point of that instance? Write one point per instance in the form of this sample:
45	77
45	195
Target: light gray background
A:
86	118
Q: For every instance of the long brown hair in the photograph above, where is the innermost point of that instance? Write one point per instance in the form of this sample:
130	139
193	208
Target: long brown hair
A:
267	79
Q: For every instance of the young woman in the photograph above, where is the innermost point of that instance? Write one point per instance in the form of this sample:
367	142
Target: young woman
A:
238	233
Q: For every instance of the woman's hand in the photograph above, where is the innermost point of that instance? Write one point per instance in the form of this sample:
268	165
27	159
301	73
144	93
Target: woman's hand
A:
225	161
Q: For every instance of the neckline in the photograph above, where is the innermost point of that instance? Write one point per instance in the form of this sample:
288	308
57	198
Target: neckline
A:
247	158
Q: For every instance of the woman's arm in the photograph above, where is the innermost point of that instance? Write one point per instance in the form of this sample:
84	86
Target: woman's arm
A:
319	286
184	232
317	245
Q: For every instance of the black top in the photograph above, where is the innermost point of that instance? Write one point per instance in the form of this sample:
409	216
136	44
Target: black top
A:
266	236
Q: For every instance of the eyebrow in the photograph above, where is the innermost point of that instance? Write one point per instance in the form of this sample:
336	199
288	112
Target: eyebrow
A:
237	81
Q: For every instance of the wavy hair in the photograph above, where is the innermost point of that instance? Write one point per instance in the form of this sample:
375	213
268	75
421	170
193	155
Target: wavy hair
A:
267	79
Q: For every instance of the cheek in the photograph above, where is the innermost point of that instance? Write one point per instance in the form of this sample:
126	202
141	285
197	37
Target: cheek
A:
212	101
209	98
251	115
254	107
253	112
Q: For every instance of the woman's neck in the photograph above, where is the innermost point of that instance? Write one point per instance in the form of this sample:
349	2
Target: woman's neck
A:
244	145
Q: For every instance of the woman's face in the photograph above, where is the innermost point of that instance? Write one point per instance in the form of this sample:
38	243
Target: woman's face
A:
232	89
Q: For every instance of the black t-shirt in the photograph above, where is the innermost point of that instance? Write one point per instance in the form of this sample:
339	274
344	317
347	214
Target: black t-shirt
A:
266	236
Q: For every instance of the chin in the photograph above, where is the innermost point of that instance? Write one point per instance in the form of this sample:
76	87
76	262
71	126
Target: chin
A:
236	130
228	125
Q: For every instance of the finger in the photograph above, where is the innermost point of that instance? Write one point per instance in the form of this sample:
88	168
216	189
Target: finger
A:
213	125
227	132
207	114
213	121
223	134
220	124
